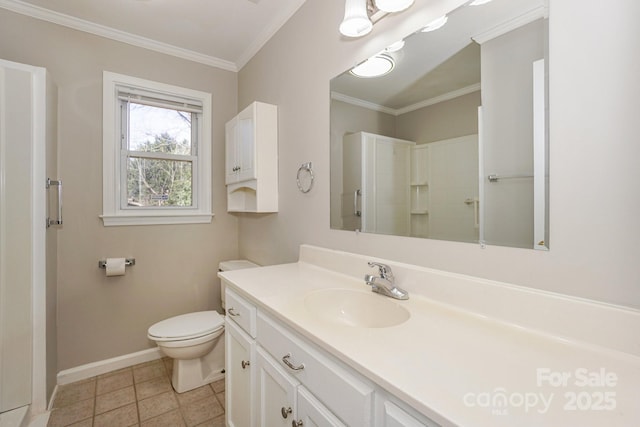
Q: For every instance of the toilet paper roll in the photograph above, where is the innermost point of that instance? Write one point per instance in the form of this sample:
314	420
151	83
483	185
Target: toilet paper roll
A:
115	266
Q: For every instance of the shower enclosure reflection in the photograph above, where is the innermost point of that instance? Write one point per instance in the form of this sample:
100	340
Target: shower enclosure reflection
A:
412	151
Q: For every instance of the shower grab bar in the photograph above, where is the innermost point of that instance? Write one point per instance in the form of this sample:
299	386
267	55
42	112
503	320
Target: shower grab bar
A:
495	178
356	193
476	210
58	220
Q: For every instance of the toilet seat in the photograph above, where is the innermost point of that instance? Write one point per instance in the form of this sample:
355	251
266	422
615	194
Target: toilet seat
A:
186	326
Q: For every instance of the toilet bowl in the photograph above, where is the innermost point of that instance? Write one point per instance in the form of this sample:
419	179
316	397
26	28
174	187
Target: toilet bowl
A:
195	342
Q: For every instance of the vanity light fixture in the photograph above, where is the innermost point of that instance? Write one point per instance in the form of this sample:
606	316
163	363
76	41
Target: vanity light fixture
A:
478	2
391	6
394	47
434	25
356	22
376	66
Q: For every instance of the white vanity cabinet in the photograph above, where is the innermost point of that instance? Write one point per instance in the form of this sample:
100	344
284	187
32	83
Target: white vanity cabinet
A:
240	361
343	393
276	390
283	401
275	377
313	413
390	413
251	159
239	377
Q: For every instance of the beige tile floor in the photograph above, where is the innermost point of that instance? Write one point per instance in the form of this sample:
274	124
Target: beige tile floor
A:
137	396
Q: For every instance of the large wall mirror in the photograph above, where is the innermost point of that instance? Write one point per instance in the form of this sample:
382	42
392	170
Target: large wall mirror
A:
452	142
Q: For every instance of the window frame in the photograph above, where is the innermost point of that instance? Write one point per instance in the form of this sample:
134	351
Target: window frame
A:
114	156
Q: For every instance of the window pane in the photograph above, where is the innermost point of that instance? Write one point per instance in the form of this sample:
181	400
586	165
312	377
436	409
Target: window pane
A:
159	182
159	130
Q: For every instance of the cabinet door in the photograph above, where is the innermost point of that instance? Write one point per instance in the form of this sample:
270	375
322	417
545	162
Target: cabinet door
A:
275	393
231	152
239	379
313	413
246	149
394	416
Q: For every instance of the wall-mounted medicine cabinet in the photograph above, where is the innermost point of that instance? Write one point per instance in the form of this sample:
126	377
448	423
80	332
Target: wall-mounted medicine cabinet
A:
251	159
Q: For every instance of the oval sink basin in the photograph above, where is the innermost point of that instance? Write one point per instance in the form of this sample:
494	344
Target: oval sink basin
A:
355	308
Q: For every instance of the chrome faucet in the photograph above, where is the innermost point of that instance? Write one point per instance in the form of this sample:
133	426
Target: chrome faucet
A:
384	284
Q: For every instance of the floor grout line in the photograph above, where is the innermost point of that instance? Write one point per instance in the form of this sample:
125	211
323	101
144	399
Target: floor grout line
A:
163	374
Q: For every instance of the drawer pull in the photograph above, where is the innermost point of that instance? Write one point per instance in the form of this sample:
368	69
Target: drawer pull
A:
232	312
285	412
295	423
285	359
245	363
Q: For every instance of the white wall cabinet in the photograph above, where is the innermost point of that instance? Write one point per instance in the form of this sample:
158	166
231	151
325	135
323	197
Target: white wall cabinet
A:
240	149
251	159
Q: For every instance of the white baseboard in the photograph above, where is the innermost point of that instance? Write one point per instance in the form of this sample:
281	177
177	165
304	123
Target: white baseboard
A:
103	366
40	420
15	417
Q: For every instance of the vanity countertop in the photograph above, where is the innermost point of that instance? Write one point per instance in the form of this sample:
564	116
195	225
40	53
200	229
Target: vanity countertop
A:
458	366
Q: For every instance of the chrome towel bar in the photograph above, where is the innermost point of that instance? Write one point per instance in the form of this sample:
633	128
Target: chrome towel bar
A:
495	178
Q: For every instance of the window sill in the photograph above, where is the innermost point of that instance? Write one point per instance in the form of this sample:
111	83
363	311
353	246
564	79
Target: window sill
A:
118	220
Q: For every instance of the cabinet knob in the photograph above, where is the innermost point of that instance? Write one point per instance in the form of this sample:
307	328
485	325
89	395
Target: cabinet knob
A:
295	423
245	363
285	412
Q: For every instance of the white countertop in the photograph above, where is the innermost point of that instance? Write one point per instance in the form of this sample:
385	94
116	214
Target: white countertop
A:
452	364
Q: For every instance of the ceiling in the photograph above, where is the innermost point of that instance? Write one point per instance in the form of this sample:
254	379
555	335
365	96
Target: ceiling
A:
221	33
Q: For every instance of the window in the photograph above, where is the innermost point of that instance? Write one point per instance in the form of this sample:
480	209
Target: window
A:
156	153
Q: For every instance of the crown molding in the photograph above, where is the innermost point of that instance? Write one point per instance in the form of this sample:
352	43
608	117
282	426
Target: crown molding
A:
440	98
362	103
511	24
43	14
404	110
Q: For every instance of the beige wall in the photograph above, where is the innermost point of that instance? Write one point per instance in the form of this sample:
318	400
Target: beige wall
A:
175	271
444	120
594	173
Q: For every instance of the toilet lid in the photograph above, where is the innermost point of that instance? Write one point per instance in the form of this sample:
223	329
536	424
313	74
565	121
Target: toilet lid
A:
185	326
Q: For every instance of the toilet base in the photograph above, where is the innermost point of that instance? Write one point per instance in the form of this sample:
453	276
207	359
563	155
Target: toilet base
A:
189	374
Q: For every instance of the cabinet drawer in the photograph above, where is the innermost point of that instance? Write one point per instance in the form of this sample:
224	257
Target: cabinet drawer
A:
242	312
343	393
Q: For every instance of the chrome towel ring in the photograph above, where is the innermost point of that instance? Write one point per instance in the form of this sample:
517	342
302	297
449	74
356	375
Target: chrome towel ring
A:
305	183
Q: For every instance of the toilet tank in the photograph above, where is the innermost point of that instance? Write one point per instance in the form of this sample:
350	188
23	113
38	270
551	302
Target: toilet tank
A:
235	264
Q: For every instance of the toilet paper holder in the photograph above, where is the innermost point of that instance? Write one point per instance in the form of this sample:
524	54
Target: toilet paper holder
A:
127	262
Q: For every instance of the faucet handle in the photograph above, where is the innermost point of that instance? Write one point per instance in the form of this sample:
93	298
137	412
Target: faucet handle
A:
384	269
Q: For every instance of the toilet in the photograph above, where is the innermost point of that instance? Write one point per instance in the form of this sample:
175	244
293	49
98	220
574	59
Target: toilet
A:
195	342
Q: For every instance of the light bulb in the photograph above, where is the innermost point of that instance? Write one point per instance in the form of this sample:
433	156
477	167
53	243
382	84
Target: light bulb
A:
375	66
356	22
434	25
394	47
